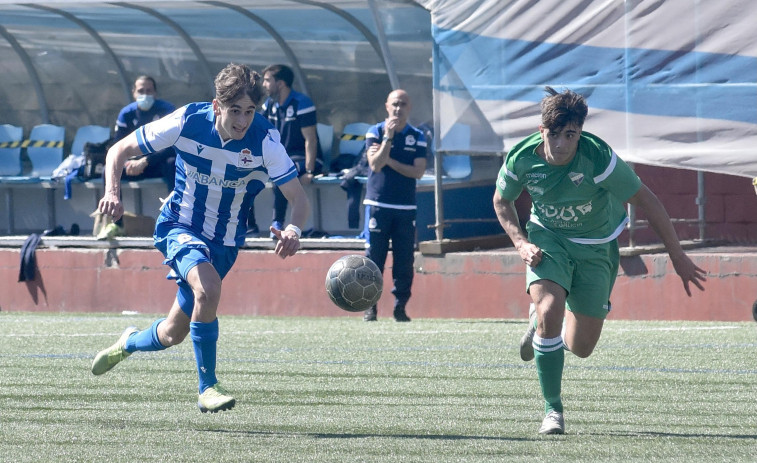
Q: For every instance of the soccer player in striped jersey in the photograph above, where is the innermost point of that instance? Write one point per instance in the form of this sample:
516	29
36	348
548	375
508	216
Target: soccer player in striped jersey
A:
578	187
225	152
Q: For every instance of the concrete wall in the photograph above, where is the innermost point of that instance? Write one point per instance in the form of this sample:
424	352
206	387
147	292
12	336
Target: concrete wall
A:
731	204
458	285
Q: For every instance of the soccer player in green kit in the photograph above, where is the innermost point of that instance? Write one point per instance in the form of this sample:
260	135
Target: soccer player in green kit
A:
578	187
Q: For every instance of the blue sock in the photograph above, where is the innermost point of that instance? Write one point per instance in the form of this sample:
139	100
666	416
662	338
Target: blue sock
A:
204	339
146	340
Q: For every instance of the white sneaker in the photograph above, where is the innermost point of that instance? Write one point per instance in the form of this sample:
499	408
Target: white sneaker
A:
553	423
527	341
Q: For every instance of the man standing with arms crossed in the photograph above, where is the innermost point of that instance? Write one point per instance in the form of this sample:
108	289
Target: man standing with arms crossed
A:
225	154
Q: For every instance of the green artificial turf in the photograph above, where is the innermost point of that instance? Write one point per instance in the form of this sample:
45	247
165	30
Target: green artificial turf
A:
341	390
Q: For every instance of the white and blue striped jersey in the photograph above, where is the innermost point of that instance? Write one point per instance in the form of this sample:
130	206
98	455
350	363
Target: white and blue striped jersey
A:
216	181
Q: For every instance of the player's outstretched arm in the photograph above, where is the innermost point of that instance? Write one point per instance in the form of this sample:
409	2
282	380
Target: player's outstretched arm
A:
658	218
288	239
114	164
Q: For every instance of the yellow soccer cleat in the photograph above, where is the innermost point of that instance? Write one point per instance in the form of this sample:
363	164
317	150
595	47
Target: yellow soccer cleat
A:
215	399
110	357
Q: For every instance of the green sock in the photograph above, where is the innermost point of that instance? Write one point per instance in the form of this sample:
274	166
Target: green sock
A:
550	360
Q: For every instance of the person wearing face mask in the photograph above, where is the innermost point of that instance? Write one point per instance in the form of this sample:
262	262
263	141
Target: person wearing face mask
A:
145	109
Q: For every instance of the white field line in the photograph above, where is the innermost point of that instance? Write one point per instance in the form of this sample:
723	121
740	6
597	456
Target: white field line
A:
674	328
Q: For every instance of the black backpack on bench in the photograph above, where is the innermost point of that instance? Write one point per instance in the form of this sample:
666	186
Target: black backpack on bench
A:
94	159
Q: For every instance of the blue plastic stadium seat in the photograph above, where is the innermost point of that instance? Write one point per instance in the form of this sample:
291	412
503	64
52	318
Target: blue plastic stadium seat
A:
457	138
326	140
352	140
10	149
45	149
89	133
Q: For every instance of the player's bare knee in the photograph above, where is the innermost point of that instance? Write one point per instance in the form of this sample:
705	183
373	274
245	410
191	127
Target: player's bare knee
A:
581	351
207	294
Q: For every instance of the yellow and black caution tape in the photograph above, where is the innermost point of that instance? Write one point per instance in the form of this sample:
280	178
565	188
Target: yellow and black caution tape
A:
32	144
10	144
350	137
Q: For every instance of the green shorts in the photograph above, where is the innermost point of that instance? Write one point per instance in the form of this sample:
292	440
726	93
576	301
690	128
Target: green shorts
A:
586	271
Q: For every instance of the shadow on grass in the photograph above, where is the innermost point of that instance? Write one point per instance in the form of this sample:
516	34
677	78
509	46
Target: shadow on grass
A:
673	434
322	435
490	321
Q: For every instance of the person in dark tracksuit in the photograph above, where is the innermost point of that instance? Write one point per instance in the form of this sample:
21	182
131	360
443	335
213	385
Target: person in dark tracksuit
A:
396	154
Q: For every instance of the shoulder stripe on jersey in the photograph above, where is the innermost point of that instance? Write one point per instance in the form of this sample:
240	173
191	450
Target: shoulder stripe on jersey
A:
610	167
144	145
511	174
282	179
307	110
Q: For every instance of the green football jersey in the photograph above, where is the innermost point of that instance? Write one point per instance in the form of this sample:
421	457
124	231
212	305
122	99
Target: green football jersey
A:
583	200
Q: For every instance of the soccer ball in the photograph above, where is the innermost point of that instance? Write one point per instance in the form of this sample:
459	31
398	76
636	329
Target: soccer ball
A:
354	283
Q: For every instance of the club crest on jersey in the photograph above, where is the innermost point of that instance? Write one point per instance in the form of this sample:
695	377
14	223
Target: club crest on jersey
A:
245	158
410	140
290	112
576	178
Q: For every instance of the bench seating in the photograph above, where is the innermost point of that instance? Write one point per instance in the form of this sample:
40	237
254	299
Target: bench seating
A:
33	204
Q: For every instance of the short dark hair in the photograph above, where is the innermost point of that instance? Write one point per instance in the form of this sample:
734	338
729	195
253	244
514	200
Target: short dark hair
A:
145	77
281	72
236	80
561	109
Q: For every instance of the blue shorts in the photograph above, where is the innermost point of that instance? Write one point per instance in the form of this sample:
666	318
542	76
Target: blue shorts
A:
184	249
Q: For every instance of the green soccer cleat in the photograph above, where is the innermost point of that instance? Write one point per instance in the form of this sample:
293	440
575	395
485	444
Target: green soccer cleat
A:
215	399
527	341
553	423
108	358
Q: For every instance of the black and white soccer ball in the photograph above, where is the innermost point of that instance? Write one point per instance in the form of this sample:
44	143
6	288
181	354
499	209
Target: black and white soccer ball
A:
354	283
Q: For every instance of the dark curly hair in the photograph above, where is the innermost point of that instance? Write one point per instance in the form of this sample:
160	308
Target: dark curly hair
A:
561	109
